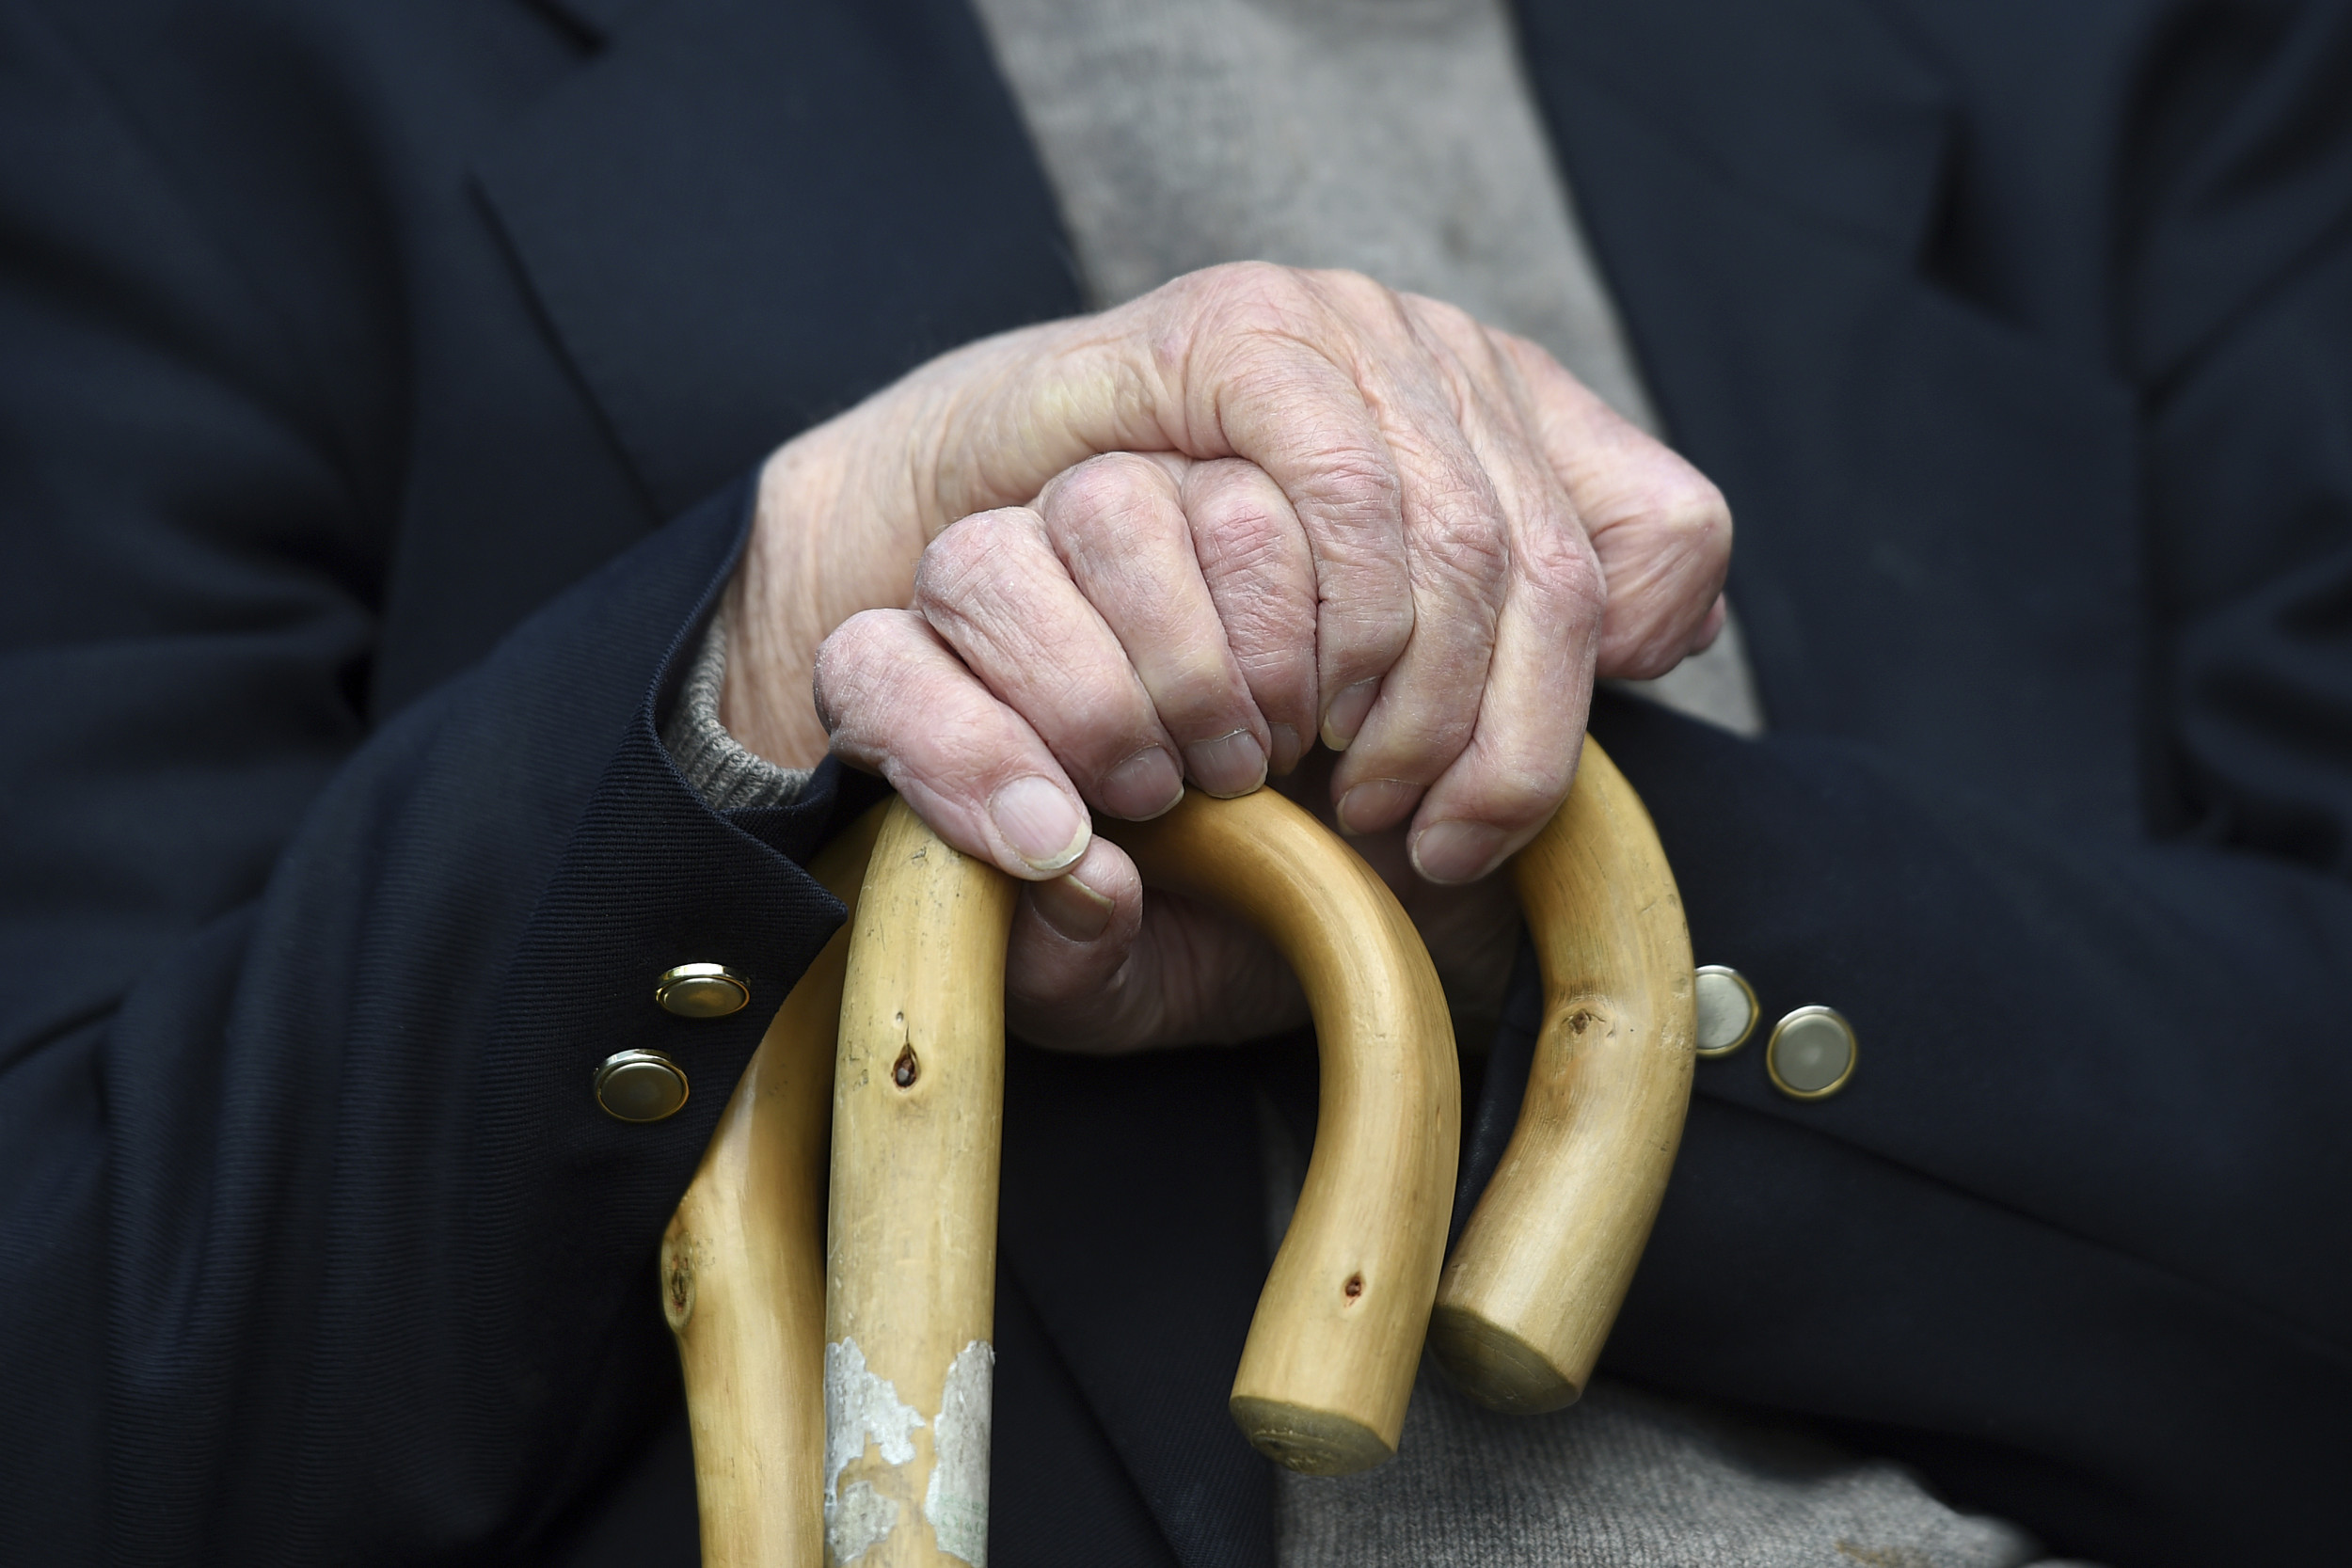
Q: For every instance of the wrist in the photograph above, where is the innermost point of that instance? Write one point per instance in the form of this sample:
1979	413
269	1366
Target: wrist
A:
819	552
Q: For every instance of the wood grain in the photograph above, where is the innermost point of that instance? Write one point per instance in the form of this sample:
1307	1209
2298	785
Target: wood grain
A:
742	1271
1328	1366
910	1260
873	1429
1543	1265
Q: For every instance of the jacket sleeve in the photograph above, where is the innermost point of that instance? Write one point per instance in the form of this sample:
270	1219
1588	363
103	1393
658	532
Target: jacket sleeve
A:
314	1243
2073	1236
2066	1240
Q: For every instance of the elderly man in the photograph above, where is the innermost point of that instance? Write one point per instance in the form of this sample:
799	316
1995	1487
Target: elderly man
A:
396	700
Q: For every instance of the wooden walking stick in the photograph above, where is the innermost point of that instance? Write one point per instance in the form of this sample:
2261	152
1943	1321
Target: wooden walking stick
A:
1328	1366
1544	1264
917	1108
896	1469
911	1251
742	1271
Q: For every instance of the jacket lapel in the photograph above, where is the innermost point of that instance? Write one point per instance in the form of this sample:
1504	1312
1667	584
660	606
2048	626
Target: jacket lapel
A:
1937	548
741	216
593	20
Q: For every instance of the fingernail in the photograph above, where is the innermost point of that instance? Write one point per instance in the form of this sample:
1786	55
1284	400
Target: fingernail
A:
1044	827
1345	715
1143	786
1071	908
1457	851
1233	763
1287	751
1377	804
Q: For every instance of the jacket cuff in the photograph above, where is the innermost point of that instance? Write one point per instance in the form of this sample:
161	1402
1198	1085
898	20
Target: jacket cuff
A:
718	767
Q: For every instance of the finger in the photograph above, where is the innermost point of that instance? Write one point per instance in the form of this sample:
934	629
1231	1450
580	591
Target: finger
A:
1469	682
1660	530
1278	368
1247	361
1261	575
998	594
1518	765
1118	527
1072	939
1522	758
1417	722
1088	966
896	699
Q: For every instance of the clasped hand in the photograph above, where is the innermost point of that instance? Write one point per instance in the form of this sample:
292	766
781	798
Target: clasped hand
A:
1083	563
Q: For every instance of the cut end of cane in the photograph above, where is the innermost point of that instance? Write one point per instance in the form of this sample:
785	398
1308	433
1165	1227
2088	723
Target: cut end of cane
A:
1496	1367
1312	1442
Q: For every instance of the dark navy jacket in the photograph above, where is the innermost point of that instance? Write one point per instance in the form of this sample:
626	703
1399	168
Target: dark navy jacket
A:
377	387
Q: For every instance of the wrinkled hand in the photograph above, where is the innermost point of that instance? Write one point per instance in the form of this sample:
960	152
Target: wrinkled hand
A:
1137	596
1365	516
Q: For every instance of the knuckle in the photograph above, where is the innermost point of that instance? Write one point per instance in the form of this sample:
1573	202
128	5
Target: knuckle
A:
1523	354
968	552
1200	682
1090	707
1703	515
1355	639
1684	502
1668	495
857	646
1252	296
1245	528
1526	792
859	669
1518	784
1107	488
1450	324
967	740
1360	295
1253	562
1467	548
1559	563
1357	487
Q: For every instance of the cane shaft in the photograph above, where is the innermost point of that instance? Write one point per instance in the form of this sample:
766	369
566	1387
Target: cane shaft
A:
910	1260
743	1272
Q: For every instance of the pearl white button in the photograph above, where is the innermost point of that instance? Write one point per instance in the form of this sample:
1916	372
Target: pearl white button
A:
1727	1010
1811	1055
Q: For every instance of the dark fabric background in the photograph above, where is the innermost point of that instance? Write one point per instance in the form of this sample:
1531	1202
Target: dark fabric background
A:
377	389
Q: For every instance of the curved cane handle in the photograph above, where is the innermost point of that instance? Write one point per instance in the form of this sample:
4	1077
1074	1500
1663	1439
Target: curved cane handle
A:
917	1110
742	1271
1328	1366
918	1106
1544	1264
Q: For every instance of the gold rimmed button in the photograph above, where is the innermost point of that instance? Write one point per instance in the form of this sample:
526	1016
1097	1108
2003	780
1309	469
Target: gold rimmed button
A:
640	1086
1811	1054
702	991
1728	1009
